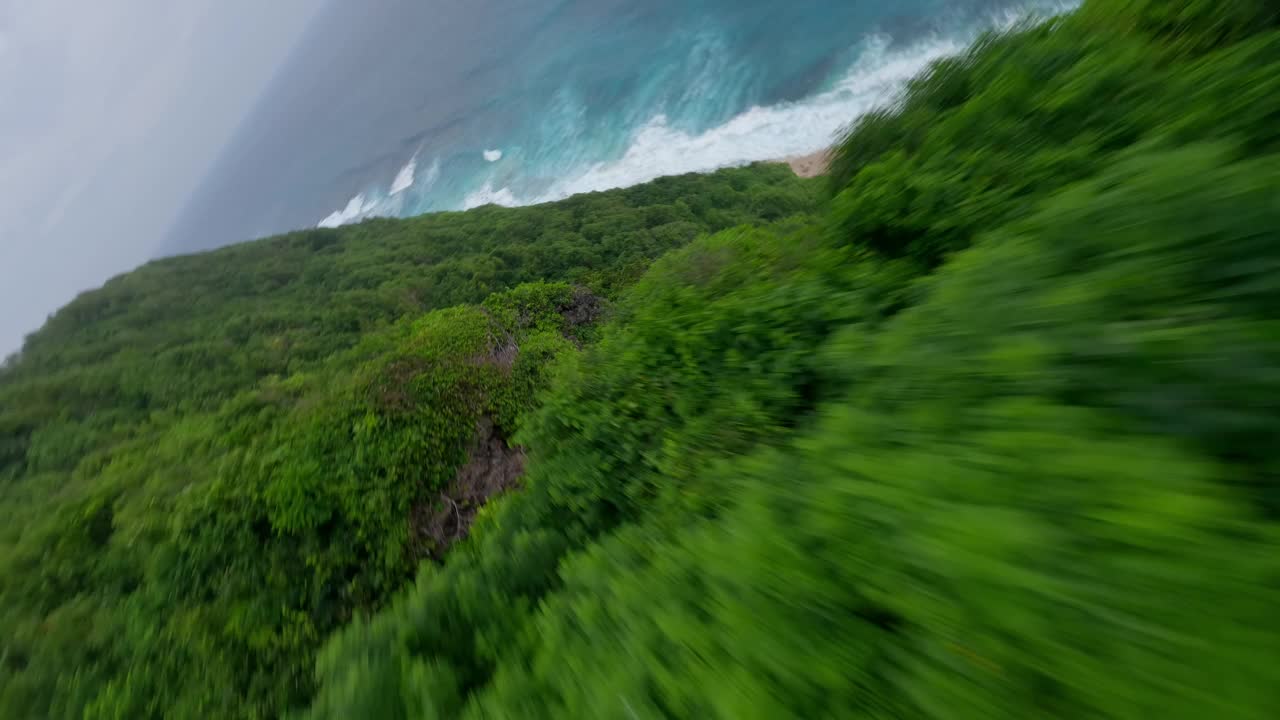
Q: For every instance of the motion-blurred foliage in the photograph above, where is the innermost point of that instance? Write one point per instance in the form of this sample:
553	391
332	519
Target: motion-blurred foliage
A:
214	461
992	440
986	436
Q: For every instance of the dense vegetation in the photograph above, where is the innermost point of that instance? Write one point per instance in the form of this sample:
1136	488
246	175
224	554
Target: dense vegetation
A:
214	461
983	433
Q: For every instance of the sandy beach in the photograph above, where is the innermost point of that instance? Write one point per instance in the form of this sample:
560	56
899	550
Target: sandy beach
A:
807	166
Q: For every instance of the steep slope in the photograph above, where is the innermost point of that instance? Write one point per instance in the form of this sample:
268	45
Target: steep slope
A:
991	441
213	461
985	432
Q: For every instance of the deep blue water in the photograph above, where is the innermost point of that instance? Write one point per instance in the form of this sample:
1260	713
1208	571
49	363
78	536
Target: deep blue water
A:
398	107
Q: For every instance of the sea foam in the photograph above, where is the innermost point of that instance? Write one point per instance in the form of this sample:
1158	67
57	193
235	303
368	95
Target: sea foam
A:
658	148
404	179
486	195
785	130
357	208
761	133
375	203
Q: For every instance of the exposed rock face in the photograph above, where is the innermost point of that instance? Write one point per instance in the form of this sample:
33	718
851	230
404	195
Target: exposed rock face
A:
492	468
584	308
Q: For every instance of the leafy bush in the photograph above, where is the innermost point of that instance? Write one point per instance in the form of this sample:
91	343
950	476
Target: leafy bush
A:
1010	462
214	461
987	436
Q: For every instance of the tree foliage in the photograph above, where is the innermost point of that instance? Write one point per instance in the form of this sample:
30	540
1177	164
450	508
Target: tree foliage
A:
989	441
212	462
984	433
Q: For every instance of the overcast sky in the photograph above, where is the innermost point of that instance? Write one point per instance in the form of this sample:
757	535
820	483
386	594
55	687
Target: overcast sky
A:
111	113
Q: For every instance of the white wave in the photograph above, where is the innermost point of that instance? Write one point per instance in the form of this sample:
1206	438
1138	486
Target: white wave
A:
357	208
391	204
784	130
761	133
404	179
1009	18
486	195
433	174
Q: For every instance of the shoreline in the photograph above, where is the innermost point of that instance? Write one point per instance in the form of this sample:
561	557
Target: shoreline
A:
809	166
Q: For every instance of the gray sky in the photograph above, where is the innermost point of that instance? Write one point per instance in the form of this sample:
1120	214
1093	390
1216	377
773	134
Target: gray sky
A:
111	113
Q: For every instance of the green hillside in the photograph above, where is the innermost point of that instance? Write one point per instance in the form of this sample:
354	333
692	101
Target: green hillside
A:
978	426
214	461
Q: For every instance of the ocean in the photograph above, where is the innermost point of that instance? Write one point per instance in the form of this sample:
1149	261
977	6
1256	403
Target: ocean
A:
400	107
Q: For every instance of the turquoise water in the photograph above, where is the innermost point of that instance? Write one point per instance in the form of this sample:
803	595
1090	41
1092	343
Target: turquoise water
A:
398	108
